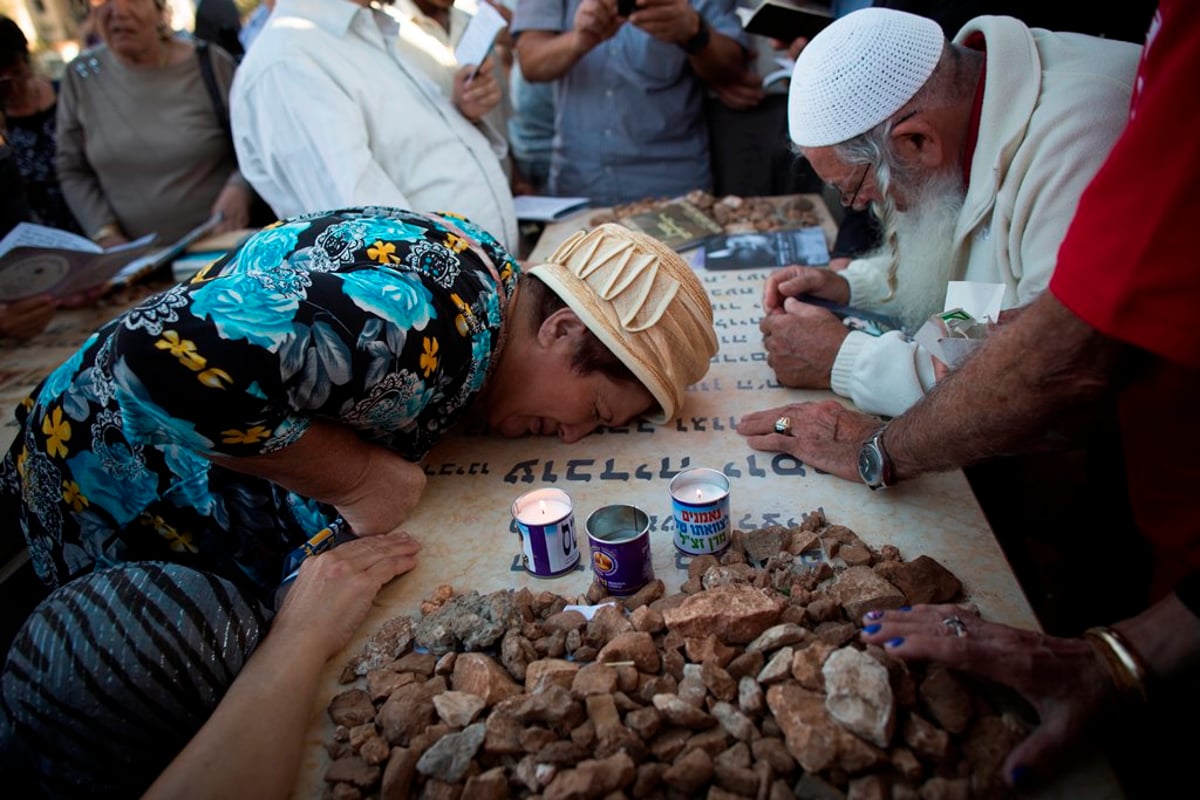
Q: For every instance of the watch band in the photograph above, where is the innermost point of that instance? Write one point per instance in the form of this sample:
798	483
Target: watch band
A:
887	475
699	39
874	466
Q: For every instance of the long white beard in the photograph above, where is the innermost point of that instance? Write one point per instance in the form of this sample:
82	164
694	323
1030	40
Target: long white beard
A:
924	241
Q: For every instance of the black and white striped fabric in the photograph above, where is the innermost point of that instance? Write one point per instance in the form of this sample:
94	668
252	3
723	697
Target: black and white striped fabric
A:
114	672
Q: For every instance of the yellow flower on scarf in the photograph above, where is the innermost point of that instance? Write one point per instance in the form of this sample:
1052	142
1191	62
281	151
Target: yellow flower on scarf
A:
460	322
183	349
382	252
251	436
73	497
429	359
456	243
215	378
58	431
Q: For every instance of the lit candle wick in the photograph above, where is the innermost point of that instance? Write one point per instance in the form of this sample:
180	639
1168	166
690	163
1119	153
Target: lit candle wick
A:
699	494
542	507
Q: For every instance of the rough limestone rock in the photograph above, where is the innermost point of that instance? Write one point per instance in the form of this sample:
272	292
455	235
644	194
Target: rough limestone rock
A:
736	613
858	695
923	580
860	589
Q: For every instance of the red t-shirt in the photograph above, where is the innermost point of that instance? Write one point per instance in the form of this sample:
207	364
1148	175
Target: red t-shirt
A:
1129	267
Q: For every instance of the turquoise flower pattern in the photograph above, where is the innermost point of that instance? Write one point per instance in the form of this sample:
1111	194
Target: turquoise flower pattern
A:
380	318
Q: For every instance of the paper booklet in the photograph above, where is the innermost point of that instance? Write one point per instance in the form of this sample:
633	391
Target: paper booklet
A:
537	208
479	36
36	259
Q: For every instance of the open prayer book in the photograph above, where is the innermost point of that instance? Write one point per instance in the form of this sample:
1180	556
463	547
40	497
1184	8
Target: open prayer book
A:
36	259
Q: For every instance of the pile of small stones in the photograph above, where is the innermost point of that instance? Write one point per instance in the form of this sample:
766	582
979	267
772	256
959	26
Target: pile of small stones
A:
751	682
733	213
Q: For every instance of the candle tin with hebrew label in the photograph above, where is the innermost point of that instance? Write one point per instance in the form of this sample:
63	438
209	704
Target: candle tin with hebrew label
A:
700	504
619	537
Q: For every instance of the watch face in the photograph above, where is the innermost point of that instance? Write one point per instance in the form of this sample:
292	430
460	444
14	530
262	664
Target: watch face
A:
869	465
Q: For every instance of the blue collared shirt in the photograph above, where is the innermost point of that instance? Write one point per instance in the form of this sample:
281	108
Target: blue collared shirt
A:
629	115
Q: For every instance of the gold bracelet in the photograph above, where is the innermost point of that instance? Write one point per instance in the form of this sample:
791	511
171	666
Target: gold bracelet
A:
1126	667
111	229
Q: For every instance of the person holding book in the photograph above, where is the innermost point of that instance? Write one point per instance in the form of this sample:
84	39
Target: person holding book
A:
974	154
629	83
294	387
141	146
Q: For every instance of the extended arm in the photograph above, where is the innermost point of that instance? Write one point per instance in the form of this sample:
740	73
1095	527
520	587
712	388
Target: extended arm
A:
374	489
547	55
267	708
1069	681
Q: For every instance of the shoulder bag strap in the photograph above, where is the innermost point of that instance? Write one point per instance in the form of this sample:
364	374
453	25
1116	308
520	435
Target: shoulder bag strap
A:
210	83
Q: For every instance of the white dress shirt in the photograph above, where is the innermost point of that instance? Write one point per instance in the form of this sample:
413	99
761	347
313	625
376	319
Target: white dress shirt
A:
327	114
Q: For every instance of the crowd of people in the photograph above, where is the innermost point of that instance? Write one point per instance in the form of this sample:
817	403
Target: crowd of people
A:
173	465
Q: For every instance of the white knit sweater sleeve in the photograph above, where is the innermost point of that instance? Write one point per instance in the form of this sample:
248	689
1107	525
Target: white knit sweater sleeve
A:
882	374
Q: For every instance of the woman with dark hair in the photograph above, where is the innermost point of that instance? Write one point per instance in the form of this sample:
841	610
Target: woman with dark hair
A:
166	473
30	105
143	138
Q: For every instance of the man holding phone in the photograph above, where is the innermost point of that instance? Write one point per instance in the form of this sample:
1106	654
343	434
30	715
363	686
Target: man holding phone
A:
629	79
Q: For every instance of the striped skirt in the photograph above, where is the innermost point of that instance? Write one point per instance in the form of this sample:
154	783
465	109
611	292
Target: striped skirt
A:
115	671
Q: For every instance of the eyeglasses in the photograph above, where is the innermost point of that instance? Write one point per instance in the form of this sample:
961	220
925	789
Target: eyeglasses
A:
849	203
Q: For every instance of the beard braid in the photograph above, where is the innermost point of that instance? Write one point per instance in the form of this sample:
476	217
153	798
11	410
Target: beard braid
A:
923	240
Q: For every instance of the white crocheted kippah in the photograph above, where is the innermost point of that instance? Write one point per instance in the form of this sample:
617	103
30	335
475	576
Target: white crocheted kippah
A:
859	71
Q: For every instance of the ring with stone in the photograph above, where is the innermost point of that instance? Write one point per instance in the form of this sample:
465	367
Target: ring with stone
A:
955	624
783	425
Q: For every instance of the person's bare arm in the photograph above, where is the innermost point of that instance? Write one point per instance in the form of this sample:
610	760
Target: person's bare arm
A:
266	710
548	55
374	489
1016	386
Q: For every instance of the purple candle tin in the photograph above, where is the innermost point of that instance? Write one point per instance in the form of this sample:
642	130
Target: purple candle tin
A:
546	521
619	536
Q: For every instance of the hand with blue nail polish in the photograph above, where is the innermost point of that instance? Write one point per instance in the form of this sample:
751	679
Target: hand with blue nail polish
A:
1063	679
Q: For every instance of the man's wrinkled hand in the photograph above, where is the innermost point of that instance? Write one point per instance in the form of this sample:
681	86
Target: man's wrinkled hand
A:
795	280
802	344
825	435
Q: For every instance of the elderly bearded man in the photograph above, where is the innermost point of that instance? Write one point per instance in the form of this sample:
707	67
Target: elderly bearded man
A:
974	152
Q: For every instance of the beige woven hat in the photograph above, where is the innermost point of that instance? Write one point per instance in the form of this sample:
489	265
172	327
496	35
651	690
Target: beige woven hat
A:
643	302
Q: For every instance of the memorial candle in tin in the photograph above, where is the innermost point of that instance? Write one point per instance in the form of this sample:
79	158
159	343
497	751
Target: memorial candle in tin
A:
546	521
619	537
700	503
